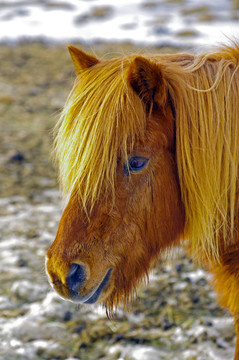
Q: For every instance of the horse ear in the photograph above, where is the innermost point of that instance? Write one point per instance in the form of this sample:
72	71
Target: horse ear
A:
81	60
146	78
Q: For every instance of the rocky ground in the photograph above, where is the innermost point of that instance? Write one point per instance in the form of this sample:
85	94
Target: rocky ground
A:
175	317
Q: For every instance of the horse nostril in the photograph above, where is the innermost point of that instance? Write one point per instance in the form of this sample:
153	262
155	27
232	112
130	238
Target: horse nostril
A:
76	277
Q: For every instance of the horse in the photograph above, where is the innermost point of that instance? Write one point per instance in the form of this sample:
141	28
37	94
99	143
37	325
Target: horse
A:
148	154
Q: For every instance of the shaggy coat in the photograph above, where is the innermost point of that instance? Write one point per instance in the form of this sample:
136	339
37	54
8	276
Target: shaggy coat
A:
148	152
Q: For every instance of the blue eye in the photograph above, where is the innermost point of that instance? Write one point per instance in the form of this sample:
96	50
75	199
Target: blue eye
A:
135	164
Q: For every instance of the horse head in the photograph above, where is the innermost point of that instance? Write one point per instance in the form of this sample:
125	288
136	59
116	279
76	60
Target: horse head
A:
117	151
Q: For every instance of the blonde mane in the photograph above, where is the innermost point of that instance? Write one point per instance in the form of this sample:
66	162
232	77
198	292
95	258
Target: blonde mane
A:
207	129
104	116
101	119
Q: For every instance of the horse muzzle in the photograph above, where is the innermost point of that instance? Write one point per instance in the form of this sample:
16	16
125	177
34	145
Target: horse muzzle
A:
77	286
75	281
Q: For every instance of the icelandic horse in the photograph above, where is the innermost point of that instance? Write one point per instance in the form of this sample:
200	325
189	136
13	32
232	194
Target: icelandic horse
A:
148	147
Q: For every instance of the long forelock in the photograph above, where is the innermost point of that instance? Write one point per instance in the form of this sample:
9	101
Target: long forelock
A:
101	120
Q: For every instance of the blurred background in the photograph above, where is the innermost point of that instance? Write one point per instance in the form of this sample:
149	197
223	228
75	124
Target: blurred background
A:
176	316
157	22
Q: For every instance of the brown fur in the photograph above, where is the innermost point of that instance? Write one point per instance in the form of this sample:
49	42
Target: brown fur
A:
181	113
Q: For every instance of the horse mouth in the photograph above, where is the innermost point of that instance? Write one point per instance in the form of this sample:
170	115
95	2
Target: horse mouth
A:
94	294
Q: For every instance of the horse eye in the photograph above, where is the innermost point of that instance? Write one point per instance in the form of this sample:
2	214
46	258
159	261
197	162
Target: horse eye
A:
135	164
